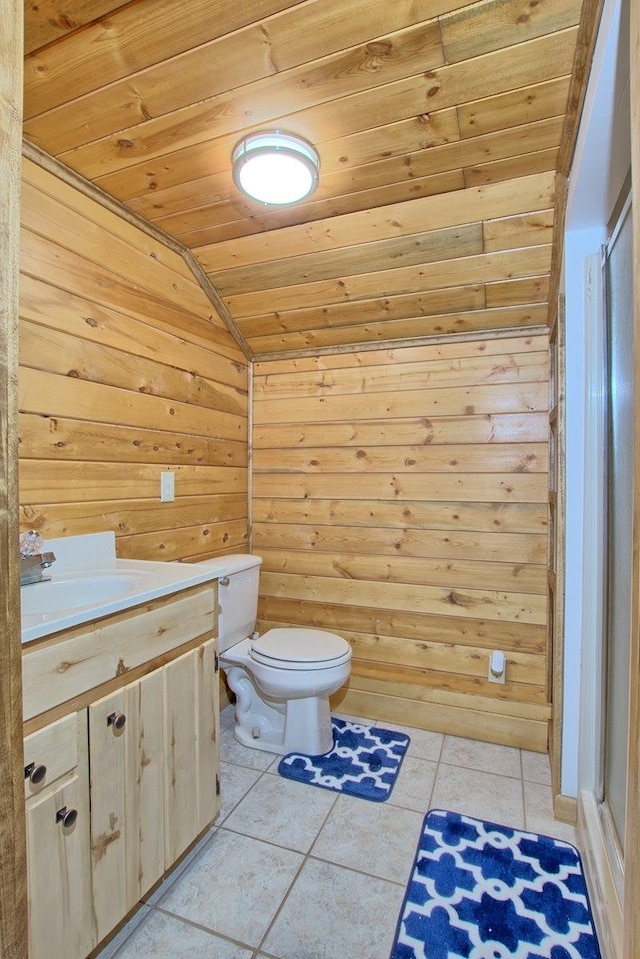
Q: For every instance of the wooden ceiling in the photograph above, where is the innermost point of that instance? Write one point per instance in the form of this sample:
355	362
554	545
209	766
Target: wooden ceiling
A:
441	127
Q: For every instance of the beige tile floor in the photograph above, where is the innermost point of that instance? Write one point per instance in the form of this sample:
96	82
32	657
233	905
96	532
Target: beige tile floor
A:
294	872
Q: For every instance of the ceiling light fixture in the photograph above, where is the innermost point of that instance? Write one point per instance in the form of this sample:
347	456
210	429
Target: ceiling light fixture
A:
275	167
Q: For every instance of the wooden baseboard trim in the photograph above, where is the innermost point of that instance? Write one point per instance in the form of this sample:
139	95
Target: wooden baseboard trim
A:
565	808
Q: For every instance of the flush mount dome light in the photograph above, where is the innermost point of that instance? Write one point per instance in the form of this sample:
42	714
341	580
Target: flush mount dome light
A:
275	167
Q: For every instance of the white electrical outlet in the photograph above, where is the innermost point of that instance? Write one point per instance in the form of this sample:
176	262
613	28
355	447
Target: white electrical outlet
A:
167	487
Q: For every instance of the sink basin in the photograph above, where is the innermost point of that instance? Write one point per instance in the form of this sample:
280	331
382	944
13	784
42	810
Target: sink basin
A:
88	582
58	595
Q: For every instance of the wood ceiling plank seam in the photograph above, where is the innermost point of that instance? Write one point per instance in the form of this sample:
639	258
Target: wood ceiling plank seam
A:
404	104
405	101
534	289
526	165
474	30
360	251
407	135
190	126
189	194
534	230
415	171
192	225
405	218
537	101
497	233
44	24
54	125
124	42
409	306
241	57
78	182
439	275
332	78
186	165
395	253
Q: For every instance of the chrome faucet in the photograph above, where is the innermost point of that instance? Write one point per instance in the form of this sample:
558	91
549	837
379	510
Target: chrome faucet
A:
32	560
32	567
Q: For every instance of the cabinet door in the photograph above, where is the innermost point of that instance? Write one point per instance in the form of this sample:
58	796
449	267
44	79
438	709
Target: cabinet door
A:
59	880
208	739
191	737
127	810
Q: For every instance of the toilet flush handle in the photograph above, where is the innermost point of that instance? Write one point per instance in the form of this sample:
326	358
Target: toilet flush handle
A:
223	581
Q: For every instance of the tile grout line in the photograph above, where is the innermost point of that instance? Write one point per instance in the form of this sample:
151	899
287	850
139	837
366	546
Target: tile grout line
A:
440	766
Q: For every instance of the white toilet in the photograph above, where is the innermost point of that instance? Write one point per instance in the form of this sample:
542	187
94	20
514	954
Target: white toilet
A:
282	680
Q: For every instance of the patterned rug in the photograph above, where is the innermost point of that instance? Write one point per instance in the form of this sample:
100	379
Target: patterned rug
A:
482	891
365	761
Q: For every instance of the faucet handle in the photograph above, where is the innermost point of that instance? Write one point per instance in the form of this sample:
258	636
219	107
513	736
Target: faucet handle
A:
31	543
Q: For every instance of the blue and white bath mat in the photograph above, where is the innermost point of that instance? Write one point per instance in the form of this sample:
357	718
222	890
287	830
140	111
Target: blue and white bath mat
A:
365	761
483	891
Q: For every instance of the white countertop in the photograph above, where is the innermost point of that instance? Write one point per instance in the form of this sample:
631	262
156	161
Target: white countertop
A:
88	581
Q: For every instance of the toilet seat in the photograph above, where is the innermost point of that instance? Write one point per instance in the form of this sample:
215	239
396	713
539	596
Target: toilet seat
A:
300	649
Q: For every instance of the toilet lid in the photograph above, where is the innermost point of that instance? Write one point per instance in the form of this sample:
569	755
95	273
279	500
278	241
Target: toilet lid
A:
300	649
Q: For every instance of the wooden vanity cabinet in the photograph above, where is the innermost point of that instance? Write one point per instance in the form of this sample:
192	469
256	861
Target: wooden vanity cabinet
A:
153	753
126	750
139	763
58	838
191	720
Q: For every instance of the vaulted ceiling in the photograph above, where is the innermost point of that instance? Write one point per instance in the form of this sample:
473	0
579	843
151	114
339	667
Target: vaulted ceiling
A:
444	130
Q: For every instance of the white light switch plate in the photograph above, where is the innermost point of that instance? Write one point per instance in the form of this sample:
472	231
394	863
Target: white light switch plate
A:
167	487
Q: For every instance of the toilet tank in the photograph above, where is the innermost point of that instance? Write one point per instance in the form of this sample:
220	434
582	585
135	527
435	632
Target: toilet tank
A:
238	598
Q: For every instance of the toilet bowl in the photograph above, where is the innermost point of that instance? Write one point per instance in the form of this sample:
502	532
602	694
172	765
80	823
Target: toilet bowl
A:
283	679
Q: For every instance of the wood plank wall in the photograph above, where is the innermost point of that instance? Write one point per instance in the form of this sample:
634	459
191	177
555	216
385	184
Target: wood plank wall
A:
400	499
125	371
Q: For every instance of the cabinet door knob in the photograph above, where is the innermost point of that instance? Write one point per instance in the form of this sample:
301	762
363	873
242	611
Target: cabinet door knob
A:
67	817
35	773
117	720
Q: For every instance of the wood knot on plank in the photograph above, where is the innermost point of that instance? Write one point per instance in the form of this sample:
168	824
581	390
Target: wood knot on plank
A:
455	599
65	665
121	668
101	843
379	48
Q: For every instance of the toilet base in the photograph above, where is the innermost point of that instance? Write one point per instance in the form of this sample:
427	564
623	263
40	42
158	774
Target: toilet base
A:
295	726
